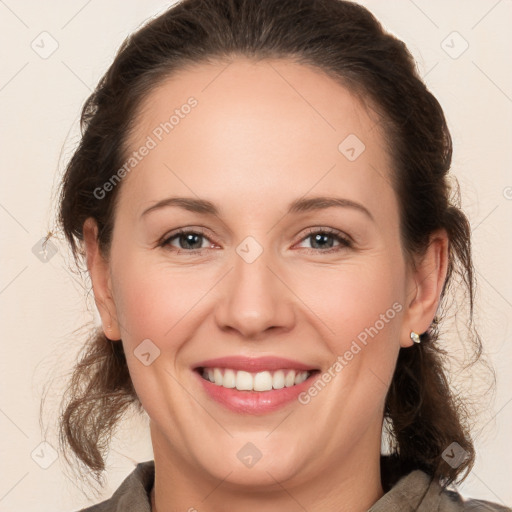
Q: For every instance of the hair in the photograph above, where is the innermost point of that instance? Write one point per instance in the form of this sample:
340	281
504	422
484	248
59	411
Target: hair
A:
344	40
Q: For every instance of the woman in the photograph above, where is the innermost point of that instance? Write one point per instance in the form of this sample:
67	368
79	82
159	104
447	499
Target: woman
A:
262	197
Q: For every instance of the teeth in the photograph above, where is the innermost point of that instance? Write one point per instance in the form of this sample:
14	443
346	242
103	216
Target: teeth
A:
290	379
229	380
261	381
217	377
278	379
244	381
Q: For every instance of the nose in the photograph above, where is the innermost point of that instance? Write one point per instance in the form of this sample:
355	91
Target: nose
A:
255	300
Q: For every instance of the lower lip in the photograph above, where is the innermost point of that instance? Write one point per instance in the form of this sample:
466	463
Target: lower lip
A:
254	402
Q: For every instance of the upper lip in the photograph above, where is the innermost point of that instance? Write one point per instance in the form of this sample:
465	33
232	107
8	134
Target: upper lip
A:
254	364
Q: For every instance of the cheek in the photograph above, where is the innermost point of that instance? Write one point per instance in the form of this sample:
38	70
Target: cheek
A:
153	303
353	297
359	309
152	300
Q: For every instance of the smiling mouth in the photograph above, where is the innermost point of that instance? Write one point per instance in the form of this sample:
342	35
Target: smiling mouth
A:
255	381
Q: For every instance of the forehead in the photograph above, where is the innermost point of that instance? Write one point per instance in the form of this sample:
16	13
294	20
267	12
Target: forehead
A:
280	91
263	128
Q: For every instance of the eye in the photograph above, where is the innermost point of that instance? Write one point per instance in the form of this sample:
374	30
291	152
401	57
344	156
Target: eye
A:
186	240
324	239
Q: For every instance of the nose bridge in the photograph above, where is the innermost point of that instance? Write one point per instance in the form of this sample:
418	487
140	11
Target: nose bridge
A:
254	299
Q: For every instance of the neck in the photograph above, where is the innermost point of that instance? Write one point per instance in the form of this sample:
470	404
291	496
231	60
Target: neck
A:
354	485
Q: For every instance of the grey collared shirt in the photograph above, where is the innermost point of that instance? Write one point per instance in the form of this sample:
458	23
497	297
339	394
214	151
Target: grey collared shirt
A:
416	492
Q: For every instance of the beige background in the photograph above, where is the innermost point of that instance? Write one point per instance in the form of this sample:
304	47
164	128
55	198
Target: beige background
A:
42	303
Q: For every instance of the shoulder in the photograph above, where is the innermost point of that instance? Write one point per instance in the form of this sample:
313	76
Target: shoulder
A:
467	504
133	493
450	500
484	506
420	492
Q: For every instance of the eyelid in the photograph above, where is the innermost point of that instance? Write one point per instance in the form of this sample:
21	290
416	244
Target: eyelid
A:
346	241
324	229
165	240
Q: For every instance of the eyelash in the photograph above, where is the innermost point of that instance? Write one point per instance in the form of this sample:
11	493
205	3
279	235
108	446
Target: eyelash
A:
344	242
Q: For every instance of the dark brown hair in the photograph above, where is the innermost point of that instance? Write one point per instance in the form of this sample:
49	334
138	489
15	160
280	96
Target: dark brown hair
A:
345	41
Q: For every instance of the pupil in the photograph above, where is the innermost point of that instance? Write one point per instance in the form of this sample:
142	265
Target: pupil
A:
189	240
319	237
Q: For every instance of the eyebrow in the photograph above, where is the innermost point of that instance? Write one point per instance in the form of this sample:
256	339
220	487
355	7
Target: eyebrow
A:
205	207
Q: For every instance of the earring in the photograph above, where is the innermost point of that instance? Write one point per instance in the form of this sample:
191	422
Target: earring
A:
415	337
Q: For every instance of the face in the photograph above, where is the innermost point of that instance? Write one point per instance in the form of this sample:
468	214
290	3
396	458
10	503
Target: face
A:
254	265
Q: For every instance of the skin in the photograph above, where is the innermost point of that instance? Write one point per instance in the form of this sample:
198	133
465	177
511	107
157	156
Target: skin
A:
262	135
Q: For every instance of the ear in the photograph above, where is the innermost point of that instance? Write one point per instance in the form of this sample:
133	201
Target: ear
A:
101	282
424	286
